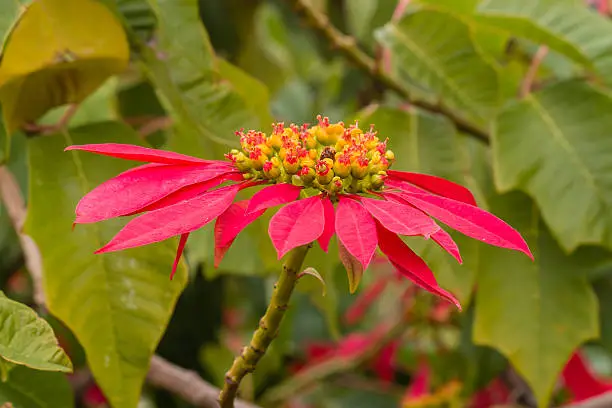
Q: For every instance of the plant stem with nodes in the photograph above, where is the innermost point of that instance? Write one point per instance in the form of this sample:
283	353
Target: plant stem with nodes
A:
268	327
348	46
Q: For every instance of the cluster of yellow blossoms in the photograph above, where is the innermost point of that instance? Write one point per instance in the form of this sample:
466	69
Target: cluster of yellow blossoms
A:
330	157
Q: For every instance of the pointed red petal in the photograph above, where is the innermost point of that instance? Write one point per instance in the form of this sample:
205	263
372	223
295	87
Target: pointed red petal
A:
135	189
399	218
228	226
469	220
273	195
409	264
329	229
139	153
180	218
355	228
436	185
447	243
188	192
179	252
298	223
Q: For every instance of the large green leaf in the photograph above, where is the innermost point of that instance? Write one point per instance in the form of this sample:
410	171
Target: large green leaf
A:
183	67
27	388
117	304
535	313
556	146
436	50
26	339
566	26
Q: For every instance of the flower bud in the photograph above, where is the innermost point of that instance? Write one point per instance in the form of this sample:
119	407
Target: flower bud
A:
324	171
307	174
270	170
359	167
378	180
389	155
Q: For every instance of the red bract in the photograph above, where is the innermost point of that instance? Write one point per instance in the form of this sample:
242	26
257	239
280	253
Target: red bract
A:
351	193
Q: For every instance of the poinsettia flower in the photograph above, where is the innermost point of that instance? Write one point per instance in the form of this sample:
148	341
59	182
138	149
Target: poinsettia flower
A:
330	179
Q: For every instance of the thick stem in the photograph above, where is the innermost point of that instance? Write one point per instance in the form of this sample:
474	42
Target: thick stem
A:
268	327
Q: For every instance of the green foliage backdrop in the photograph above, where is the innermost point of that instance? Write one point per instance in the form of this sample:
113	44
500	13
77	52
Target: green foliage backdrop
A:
510	98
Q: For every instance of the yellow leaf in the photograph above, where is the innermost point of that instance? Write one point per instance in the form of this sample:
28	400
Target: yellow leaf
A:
58	52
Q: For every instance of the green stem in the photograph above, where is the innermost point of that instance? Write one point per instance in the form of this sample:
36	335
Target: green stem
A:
268	327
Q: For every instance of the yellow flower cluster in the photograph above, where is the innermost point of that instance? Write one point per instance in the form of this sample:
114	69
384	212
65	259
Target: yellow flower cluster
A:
330	157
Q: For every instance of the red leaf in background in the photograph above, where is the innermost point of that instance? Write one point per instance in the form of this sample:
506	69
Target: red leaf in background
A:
138	153
298	223
177	219
356	230
436	185
447	243
400	218
179	252
409	264
357	310
420	382
93	397
133	190
329	229
469	220
273	195
228	226
581	381
495	393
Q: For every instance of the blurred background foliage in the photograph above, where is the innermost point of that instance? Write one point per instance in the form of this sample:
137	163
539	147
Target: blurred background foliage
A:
510	98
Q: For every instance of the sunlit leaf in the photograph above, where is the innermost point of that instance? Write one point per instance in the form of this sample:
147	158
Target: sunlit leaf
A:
53	58
555	146
520	304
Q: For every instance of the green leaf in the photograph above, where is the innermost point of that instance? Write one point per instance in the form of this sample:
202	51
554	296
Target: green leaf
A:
535	313
555	146
27	388
54	57
565	26
117	304
314	273
437	51
207	108
26	339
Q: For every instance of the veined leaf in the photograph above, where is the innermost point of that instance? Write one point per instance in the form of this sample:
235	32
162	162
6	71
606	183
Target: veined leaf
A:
28	340
28	388
565	26
436	50
535	313
118	304
555	145
54	57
